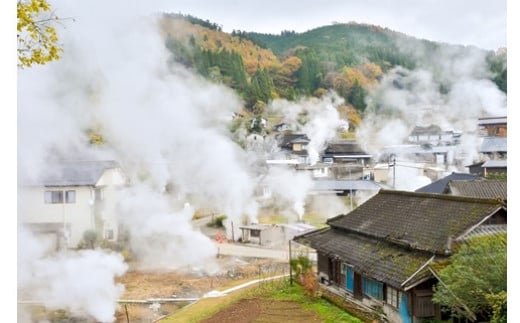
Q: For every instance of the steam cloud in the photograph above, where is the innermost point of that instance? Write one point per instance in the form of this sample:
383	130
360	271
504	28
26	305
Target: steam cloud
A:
453	93
167	128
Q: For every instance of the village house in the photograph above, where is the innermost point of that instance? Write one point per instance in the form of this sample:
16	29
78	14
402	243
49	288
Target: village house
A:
383	255
495	126
293	148
490	167
70	199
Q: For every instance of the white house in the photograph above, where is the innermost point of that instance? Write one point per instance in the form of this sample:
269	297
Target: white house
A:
70	199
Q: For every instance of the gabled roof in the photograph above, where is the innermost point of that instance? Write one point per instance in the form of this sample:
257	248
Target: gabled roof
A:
439	186
380	260
479	188
76	173
427	222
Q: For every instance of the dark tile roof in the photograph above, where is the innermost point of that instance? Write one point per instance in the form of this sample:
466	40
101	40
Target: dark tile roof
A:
439	186
287	139
77	173
481	188
431	129
344	147
427	222
380	260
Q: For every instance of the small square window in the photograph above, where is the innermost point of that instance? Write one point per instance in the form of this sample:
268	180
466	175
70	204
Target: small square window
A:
53	197
70	196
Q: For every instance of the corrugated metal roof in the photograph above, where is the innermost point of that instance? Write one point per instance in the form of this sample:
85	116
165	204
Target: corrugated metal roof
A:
495	163
493	144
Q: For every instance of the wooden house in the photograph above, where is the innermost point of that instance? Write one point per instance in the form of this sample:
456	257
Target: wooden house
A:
380	255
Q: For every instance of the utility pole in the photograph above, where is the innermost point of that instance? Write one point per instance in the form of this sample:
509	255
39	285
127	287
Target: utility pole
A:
393	185
290	265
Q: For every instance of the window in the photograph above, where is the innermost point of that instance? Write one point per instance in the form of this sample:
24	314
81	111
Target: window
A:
98	196
255	233
392	296
372	288
70	196
53	197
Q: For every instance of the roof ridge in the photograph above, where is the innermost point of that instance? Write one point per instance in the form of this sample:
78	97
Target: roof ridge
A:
442	196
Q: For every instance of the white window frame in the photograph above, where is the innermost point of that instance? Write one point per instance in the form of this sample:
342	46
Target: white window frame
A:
53	197
393	296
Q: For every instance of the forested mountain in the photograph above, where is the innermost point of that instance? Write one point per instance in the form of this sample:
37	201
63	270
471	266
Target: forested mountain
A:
348	58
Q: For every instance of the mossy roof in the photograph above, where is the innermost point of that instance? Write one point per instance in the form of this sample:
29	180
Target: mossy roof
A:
420	221
380	260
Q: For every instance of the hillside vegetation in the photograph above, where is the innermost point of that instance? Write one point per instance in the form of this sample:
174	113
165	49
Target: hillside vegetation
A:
347	58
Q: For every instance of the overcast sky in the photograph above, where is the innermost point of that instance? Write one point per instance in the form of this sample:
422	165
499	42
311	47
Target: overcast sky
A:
481	23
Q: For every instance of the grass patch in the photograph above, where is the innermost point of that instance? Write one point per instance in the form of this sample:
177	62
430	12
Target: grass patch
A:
277	290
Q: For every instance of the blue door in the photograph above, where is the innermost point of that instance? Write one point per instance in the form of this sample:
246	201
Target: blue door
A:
349	278
403	309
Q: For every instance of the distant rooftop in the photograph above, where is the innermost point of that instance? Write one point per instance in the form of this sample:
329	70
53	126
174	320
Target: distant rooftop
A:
440	185
485	121
493	144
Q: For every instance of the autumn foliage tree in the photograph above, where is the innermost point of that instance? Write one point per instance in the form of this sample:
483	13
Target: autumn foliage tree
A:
36	35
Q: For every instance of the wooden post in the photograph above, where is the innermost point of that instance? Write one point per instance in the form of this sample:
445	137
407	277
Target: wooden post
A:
290	267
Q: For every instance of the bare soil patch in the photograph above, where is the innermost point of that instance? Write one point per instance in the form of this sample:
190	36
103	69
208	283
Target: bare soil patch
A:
145	285
264	310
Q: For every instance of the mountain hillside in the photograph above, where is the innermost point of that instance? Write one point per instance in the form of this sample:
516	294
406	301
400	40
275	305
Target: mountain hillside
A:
348	58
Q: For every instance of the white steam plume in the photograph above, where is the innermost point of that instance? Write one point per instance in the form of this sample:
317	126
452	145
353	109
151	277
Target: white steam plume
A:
162	123
80	282
452	93
318	118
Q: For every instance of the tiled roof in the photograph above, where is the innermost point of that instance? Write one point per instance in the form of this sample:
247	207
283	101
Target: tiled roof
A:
77	173
344	147
380	260
481	189
286	139
439	186
427	222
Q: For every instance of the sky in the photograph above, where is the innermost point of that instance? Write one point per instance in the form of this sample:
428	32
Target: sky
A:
482	23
